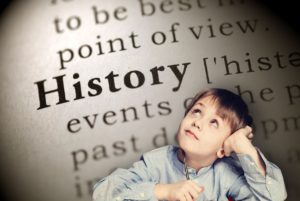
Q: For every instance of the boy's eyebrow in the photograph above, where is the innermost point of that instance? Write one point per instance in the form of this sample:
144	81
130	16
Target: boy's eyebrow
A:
201	104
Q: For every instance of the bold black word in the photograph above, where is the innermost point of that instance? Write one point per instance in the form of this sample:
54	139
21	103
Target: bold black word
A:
131	80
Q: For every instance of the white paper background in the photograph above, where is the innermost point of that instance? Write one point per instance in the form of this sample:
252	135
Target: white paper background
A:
35	146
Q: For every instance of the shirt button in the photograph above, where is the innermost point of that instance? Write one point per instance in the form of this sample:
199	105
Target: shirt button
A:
118	199
142	195
252	163
269	182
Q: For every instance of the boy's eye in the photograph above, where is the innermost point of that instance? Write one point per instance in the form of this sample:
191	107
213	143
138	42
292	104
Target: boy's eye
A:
196	112
214	123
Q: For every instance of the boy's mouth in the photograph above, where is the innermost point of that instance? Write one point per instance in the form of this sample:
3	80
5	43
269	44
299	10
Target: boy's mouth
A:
191	134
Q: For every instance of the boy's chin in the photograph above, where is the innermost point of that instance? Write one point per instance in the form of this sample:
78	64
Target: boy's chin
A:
185	144
200	154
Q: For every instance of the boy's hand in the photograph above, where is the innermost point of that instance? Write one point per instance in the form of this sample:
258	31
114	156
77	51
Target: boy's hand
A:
239	142
180	191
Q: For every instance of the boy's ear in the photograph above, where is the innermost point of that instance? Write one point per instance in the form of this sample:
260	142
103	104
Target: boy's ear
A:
221	153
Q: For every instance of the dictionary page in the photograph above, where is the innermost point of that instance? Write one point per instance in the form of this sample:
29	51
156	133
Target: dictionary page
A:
88	86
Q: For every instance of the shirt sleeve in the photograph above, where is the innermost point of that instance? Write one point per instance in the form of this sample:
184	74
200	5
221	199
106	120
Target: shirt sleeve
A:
252	185
135	183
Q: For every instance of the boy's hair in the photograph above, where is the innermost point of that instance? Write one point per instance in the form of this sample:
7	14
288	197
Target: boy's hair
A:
232	108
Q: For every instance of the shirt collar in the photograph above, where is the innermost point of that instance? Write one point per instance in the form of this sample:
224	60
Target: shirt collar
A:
180	165
175	160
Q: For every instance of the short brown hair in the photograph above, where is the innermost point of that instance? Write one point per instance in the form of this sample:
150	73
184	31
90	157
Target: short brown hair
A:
232	108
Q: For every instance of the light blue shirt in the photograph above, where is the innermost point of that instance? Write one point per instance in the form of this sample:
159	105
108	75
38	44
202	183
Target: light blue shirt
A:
236	177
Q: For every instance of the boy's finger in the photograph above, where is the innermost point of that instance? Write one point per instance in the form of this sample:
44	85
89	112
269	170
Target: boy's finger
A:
250	136
182	198
245	131
198	188
248	127
188	196
227	151
194	194
227	154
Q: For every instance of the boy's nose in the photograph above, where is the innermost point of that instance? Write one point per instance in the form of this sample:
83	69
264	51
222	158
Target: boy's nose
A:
197	124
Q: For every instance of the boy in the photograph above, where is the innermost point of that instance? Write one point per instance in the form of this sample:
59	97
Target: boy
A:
215	160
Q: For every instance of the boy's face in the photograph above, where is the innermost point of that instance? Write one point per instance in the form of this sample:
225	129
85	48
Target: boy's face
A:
202	132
